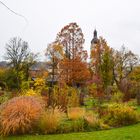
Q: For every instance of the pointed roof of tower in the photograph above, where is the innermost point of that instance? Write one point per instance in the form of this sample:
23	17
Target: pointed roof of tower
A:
95	38
95	33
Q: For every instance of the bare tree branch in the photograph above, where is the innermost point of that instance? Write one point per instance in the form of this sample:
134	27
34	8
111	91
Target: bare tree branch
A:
14	12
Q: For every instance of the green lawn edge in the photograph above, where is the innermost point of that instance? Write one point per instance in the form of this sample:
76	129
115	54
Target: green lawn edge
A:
125	133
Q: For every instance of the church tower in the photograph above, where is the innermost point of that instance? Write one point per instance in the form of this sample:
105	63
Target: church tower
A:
94	41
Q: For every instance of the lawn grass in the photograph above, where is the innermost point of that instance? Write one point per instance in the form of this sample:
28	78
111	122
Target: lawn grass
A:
125	133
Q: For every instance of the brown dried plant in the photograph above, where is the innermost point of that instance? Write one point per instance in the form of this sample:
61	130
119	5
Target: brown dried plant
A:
20	115
51	119
75	113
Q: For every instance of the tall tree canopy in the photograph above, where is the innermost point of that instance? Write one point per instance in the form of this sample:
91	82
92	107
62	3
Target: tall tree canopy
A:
124	62
17	51
73	65
72	39
19	58
101	64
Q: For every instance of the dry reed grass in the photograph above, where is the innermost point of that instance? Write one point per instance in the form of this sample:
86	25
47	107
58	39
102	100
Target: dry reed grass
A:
51	119
76	113
19	115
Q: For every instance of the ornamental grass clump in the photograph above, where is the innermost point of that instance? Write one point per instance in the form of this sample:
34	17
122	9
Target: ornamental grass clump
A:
50	120
76	113
120	115
94	122
75	121
20	115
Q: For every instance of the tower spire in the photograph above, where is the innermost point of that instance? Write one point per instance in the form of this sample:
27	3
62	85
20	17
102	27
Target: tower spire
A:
95	33
95	38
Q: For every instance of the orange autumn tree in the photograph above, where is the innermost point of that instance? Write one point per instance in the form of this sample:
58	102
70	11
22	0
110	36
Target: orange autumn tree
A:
73	66
74	72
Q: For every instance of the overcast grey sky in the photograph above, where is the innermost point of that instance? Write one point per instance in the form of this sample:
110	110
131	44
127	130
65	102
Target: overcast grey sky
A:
118	21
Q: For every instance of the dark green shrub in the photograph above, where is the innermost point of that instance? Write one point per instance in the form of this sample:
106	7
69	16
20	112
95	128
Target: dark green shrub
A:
78	125
68	126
